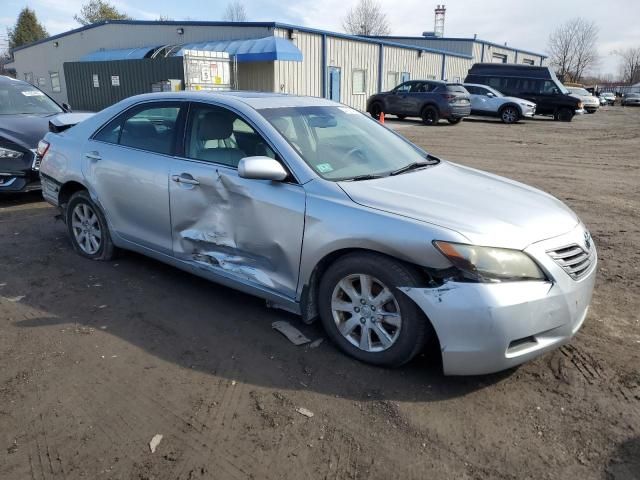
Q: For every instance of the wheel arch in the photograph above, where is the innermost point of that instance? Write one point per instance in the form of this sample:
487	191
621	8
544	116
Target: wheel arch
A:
510	104
67	190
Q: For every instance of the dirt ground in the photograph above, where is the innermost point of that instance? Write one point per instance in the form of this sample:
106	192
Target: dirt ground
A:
97	358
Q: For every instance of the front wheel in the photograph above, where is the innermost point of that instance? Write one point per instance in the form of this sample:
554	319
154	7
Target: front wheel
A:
366	315
87	228
375	110
509	115
564	115
454	121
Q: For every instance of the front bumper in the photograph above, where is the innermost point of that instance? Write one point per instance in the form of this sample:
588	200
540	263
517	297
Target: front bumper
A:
21	175
485	328
528	111
580	111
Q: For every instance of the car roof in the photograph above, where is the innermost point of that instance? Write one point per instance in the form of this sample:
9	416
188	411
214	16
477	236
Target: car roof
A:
256	100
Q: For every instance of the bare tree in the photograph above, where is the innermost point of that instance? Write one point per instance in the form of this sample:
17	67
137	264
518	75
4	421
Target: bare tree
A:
366	18
235	12
630	64
573	48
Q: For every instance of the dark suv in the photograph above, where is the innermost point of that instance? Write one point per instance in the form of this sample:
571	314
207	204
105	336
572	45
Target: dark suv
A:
430	100
536	84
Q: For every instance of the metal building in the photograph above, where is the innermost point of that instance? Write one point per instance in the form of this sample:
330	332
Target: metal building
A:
272	57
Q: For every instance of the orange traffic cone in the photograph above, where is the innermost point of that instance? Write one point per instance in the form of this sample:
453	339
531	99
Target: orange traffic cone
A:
382	118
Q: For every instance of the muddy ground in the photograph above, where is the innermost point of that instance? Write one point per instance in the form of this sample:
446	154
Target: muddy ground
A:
97	358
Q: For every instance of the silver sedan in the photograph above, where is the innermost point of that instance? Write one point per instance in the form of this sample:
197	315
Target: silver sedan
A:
324	212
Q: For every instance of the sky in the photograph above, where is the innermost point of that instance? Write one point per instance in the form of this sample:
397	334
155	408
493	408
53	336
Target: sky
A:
524	24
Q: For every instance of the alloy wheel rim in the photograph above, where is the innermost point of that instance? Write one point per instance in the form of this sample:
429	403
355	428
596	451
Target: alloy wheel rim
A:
509	115
86	228
366	312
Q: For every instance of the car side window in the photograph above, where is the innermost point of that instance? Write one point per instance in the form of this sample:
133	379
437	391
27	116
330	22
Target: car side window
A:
403	88
218	135
420	87
150	127
474	90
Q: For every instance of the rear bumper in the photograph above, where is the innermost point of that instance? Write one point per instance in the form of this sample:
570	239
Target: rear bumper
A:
484	328
459	111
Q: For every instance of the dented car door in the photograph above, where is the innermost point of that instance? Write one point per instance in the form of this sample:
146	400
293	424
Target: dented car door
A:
244	229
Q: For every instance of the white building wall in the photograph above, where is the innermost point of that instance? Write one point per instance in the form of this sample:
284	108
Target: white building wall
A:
420	66
457	68
350	55
46	57
301	78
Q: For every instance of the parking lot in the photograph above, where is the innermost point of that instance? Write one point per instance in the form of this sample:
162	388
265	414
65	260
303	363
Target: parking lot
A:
97	358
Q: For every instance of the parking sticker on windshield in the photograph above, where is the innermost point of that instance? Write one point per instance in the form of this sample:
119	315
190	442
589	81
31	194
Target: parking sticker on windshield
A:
32	93
349	111
324	168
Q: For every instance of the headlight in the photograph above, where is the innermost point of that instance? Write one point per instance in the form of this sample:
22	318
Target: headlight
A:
488	264
8	153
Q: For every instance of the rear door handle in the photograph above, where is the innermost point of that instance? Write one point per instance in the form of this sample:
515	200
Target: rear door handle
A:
93	155
185	178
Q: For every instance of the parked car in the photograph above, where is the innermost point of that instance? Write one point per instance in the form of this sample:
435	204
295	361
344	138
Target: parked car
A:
631	99
590	102
430	100
603	101
325	212
609	97
539	85
487	101
24	118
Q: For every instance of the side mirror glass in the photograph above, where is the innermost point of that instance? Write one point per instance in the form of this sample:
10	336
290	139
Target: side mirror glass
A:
261	168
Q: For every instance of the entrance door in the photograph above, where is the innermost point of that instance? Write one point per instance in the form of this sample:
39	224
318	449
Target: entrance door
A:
334	83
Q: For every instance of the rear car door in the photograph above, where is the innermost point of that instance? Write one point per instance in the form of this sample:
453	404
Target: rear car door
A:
247	230
127	162
414	101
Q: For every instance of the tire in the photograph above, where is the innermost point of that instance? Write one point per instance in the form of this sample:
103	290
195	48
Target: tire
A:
430	115
404	340
564	115
82	215
509	114
591	112
401	117
375	110
454	121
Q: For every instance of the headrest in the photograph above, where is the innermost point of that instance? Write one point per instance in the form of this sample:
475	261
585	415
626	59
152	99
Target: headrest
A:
215	126
140	129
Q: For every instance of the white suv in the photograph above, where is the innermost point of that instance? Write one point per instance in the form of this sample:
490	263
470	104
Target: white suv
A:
486	101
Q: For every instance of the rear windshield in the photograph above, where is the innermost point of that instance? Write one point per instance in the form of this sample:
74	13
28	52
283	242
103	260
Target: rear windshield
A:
455	87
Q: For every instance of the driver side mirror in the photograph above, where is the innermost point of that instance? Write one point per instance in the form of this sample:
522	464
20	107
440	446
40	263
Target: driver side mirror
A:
261	168
490	94
66	107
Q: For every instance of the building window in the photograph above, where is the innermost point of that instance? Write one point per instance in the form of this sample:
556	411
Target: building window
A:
528	61
96	80
42	82
55	81
28	77
499	58
392	80
359	82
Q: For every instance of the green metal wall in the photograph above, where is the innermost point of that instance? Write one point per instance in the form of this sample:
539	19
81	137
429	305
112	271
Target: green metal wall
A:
136	77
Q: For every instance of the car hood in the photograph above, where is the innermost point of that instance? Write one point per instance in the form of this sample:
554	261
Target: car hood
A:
485	208
24	130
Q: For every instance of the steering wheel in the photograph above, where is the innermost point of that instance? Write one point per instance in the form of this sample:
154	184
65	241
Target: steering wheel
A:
351	152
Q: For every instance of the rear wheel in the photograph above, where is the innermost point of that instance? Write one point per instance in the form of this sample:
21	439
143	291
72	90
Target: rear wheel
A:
430	116
564	115
454	121
366	315
375	110
509	115
87	228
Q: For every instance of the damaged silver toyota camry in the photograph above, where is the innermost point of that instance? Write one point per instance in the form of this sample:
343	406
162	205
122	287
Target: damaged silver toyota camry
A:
324	212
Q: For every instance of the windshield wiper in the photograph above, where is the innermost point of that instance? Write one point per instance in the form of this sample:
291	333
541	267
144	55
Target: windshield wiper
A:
367	176
429	160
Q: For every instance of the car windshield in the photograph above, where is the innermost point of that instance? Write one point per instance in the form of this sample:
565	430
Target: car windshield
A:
340	143
20	98
580	91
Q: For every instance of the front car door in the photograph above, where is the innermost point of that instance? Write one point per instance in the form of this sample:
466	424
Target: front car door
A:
127	162
249	231
396	99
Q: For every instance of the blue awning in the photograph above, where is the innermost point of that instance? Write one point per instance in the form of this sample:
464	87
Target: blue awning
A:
121	54
265	49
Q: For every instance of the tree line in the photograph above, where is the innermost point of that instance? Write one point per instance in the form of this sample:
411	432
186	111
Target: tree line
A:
572	46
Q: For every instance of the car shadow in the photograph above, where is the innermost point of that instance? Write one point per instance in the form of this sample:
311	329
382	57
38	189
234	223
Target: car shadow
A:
196	324
16	199
624	463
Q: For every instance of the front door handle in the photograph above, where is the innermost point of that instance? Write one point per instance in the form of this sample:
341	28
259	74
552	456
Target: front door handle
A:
185	178
93	155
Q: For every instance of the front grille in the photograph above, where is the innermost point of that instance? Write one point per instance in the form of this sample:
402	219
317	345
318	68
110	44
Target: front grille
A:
573	259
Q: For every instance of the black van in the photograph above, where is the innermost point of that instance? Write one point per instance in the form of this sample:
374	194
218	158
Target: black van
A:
536	84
